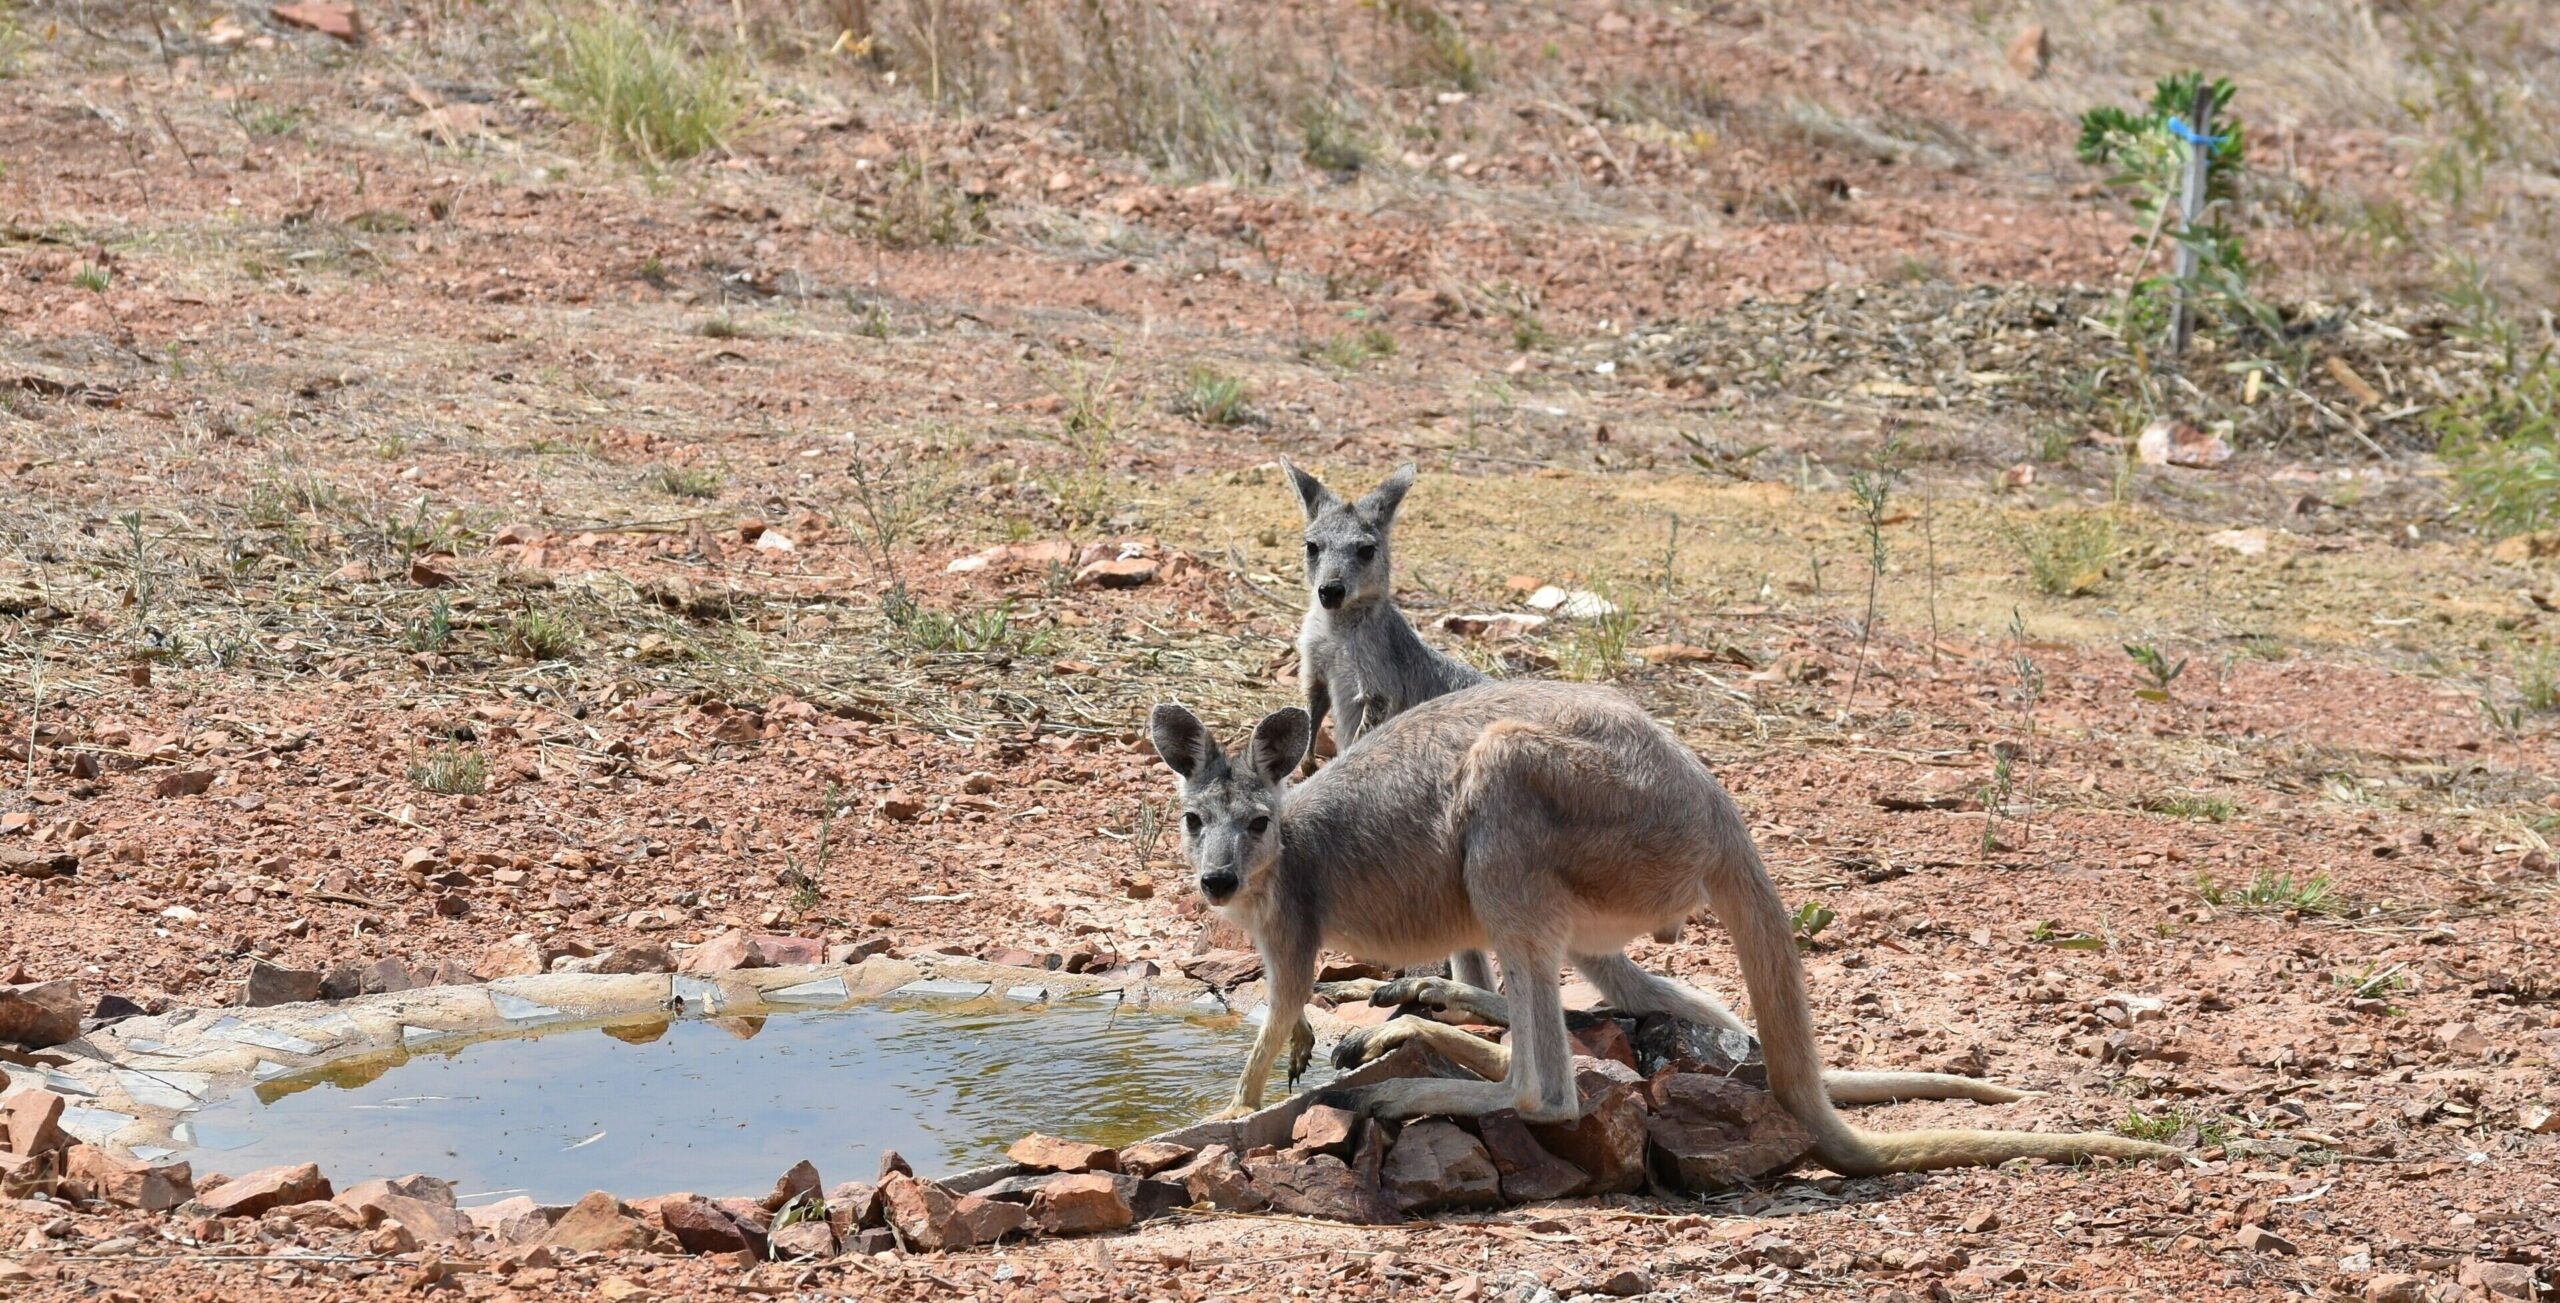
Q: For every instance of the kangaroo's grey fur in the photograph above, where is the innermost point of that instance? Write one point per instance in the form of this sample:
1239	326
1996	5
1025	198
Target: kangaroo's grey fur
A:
1357	655
1546	821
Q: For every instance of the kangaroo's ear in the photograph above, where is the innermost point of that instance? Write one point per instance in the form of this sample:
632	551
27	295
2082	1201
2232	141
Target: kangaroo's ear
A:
1280	742
1182	741
1383	500
1313	496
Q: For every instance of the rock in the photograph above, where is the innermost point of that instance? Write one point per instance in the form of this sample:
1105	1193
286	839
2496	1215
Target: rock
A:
1492	626
2246	542
800	1182
183	782
2029	52
1084	1203
1050	1154
1576	604
899	807
25	1176
701	1226
854	952
2462	1040
128	1182
637	957
426	573
1222	968
1604	1038
269	985
387	975
1317	1185
1117	572
1150	1199
2258	1239
622	1289
31	1123
1628	1282
1324	1129
1607	1142
1711	1132
933	1219
516	1220
420	1205
1009	557
2499	1279
2391	1288
807	1239
893	1161
598	1223
1529	1173
2171	442
788	951
1215	1177
1981	1221
265	1189
1434	1165
872	1242
38	864
852	1205
41	1014
2516	549
732	949
335	20
1593	1076
1152	1156
1663	1041
517	956
2538	1119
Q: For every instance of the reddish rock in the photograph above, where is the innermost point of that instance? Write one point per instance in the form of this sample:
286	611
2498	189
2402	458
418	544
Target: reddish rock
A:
2029	51
24	1176
328	19
732	949
422	572
517	956
420	1205
1117	572
1050	1154
128	1182
1221	968
1605	1038
269	985
1081	1203
1711	1132
1317	1185
808	1239
516	1220
893	1161
933	1219
637	957
1324	1129
1150	1157
899	807
851	1206
1434	1165
701	1226
31	1123
598	1223
787	951
184	782
265	1189
41	1014
1529	1173
1607	1143
1215	1177
800	1182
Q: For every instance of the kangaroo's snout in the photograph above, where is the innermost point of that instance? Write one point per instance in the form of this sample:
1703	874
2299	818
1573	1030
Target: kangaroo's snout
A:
1331	596
1218	885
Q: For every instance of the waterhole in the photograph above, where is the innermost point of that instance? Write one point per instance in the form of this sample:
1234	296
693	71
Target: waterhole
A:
721	1106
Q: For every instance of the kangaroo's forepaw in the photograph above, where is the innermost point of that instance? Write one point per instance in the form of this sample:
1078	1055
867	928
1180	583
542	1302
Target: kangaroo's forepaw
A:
1429	992
1362	1100
1366	1045
1350	990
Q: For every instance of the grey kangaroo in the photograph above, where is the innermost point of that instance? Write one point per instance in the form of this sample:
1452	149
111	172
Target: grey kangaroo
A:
1362	661
1550	822
1358	657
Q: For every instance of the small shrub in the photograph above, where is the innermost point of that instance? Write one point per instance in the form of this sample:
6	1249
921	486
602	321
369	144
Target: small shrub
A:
2067	553
2189	805
645	91
1331	142
686	481
1808	922
986	629
432	630
2537	672
1213	397
2268	890
543	635
1596	649
722	327
1356	348
451	771
2156	668
91	277
920	207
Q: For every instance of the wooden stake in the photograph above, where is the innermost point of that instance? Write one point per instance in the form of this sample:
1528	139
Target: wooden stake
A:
2191	196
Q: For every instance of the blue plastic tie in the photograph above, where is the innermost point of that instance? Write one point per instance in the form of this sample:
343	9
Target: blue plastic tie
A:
2178	127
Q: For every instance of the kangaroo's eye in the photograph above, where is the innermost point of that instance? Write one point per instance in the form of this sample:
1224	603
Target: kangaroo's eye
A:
1191	823
1368	551
1261	824
1313	550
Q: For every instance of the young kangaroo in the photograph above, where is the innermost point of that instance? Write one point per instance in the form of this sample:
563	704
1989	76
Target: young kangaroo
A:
1357	656
1550	822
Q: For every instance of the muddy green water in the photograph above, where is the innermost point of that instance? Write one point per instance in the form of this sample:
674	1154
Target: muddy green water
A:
722	1106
